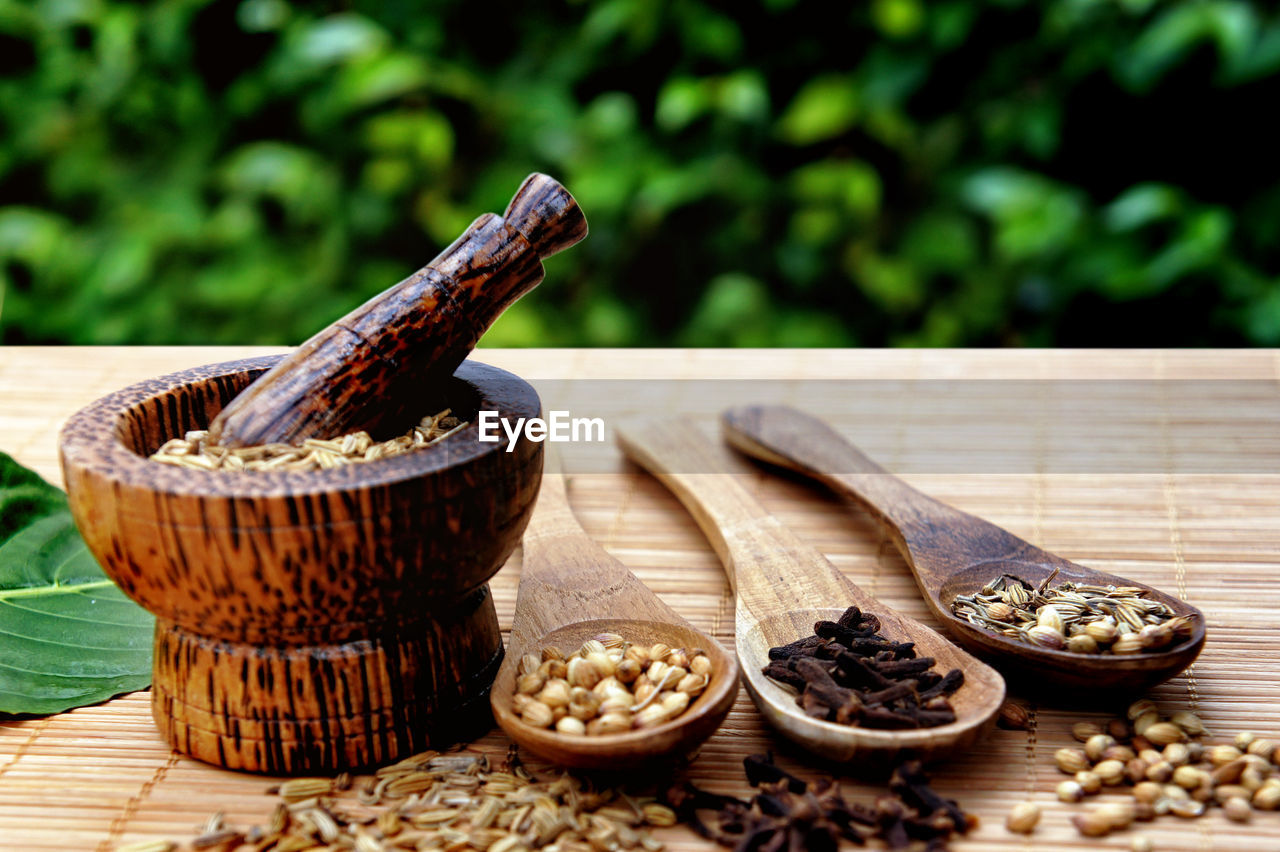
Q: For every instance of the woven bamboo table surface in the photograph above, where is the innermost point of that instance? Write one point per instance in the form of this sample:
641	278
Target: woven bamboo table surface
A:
99	777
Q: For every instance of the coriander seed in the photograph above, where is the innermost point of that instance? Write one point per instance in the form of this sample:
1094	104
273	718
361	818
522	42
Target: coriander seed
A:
1070	792
1189	777
1147	792
1177	754
1119	814
1071	760
1082	643
1096	745
1089	782
1162	772
1267	797
1189	722
609	686
1092	824
1023	818
1140	708
1111	772
1223	792
1223	754
1187	809
1263	748
1083	731
1163	733
1237	809
1252	778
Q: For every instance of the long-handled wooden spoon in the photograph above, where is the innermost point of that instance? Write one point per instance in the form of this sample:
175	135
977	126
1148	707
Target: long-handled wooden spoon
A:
954	553
783	587
572	590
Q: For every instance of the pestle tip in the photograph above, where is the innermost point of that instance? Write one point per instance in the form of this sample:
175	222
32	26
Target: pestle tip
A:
544	212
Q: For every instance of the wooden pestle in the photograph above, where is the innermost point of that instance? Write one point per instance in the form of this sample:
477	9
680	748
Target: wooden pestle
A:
375	367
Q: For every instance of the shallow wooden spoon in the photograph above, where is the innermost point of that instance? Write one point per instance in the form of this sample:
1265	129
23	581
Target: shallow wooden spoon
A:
954	553
783	587
572	590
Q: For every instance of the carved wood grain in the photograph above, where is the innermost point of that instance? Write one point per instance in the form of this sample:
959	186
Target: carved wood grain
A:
366	582
371	368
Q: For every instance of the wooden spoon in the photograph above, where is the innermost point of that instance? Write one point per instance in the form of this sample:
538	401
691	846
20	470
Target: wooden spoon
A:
783	587
954	553
572	590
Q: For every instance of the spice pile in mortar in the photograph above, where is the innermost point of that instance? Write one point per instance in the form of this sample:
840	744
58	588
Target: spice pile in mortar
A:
194	451
1077	617
850	674
608	686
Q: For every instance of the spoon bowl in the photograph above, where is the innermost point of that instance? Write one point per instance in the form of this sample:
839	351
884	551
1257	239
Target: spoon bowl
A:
952	553
678	736
571	590
1049	670
843	743
783	587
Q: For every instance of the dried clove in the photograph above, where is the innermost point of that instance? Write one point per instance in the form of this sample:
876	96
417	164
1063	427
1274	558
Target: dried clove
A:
789	813
850	674
1014	717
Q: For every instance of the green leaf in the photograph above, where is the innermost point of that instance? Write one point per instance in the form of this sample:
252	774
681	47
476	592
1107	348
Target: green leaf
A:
734	311
24	498
744	95
681	100
260	16
850	183
941	242
379	78
1034	215
68	635
1162	44
339	38
890	282
1141	205
826	106
898	18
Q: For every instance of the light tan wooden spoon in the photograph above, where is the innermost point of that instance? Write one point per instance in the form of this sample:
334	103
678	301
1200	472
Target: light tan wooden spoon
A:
954	553
783	587
572	590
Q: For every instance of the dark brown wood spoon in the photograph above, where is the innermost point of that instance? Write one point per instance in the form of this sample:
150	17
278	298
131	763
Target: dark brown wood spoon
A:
953	553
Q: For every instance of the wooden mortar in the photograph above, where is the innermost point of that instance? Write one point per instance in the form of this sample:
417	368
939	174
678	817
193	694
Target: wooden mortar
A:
308	622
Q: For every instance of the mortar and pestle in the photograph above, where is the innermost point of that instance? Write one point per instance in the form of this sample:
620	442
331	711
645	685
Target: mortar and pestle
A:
317	621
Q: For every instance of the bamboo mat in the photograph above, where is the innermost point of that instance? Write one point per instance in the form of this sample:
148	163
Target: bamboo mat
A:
99	777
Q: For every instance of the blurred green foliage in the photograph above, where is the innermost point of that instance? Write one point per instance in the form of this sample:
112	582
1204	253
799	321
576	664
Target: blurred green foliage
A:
951	172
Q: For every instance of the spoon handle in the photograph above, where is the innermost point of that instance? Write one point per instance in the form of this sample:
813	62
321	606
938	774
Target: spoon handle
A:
771	570
553	520
934	538
790	438
566	576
